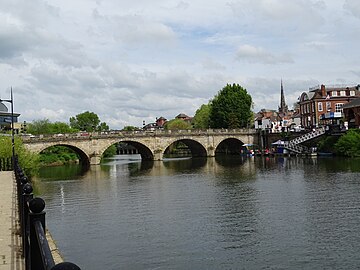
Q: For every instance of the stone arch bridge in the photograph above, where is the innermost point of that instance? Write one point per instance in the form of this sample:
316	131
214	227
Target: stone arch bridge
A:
151	145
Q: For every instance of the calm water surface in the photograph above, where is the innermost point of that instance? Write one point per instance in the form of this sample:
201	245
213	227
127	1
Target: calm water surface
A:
233	213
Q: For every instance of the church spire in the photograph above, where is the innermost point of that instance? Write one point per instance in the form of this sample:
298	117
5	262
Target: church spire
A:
283	107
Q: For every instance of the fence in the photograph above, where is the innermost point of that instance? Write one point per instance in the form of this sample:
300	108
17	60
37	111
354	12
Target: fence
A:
6	164
35	247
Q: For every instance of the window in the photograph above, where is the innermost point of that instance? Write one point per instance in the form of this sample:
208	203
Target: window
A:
328	106
334	93
352	93
320	106
338	107
343	93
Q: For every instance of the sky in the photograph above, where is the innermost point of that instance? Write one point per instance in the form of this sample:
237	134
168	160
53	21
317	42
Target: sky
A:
133	61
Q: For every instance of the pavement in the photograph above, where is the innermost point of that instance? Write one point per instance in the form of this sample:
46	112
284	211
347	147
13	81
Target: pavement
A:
10	241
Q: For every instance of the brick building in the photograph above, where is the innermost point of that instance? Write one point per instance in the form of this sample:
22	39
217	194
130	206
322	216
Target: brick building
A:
324	105
352	113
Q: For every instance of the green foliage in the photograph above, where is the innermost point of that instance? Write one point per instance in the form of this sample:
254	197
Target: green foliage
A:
58	155
44	126
103	127
327	144
88	121
60	127
129	128
231	108
111	151
177	124
349	144
39	127
29	162
202	117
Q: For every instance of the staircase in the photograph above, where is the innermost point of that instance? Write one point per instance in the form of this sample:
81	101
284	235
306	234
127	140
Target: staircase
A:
294	145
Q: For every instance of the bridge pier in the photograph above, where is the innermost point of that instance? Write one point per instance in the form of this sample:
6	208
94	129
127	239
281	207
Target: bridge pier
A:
158	156
95	159
211	152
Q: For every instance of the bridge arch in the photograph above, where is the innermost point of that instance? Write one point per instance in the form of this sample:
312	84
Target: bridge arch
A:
196	148
144	151
230	145
84	157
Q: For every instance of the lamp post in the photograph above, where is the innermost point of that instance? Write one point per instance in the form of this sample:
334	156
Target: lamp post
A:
12	123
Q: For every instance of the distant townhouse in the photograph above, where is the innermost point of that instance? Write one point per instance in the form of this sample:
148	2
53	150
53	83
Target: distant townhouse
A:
160	122
268	119
275	121
352	113
324	105
184	117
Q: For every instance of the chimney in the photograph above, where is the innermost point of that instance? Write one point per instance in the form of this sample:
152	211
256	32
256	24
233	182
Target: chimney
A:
323	91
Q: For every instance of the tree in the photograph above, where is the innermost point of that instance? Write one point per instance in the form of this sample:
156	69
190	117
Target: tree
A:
231	108
111	151
28	161
103	127
129	128
87	121
60	127
349	144
202	117
177	124
42	126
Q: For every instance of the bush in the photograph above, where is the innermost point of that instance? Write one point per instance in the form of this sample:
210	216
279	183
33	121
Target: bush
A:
327	144
349	144
57	155
28	161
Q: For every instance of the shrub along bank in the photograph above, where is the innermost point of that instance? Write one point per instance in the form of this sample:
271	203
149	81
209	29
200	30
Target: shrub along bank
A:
28	161
346	145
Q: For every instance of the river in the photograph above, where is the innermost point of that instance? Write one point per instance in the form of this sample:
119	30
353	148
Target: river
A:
215	213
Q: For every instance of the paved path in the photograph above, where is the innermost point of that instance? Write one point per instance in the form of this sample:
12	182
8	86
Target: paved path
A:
10	242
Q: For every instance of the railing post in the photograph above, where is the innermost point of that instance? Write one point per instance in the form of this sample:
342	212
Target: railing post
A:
36	206
24	218
66	266
21	183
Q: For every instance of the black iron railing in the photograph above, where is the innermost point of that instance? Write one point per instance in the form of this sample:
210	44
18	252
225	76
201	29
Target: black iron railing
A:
35	246
6	164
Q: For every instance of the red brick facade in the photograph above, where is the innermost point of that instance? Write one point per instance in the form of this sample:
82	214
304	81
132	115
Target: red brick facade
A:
322	105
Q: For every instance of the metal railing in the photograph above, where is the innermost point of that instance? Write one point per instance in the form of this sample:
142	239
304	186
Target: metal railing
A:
35	246
295	144
6	164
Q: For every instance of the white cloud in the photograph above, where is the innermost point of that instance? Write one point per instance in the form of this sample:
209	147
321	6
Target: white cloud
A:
352	6
130	61
253	54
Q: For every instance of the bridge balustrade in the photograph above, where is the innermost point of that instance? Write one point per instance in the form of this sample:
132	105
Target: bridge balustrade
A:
134	133
35	246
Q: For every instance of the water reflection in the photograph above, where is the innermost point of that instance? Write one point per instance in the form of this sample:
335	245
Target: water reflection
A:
215	213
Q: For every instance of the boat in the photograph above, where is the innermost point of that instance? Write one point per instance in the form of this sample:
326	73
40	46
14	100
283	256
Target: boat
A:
325	154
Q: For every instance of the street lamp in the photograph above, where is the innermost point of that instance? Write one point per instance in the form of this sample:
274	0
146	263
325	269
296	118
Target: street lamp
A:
12	124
